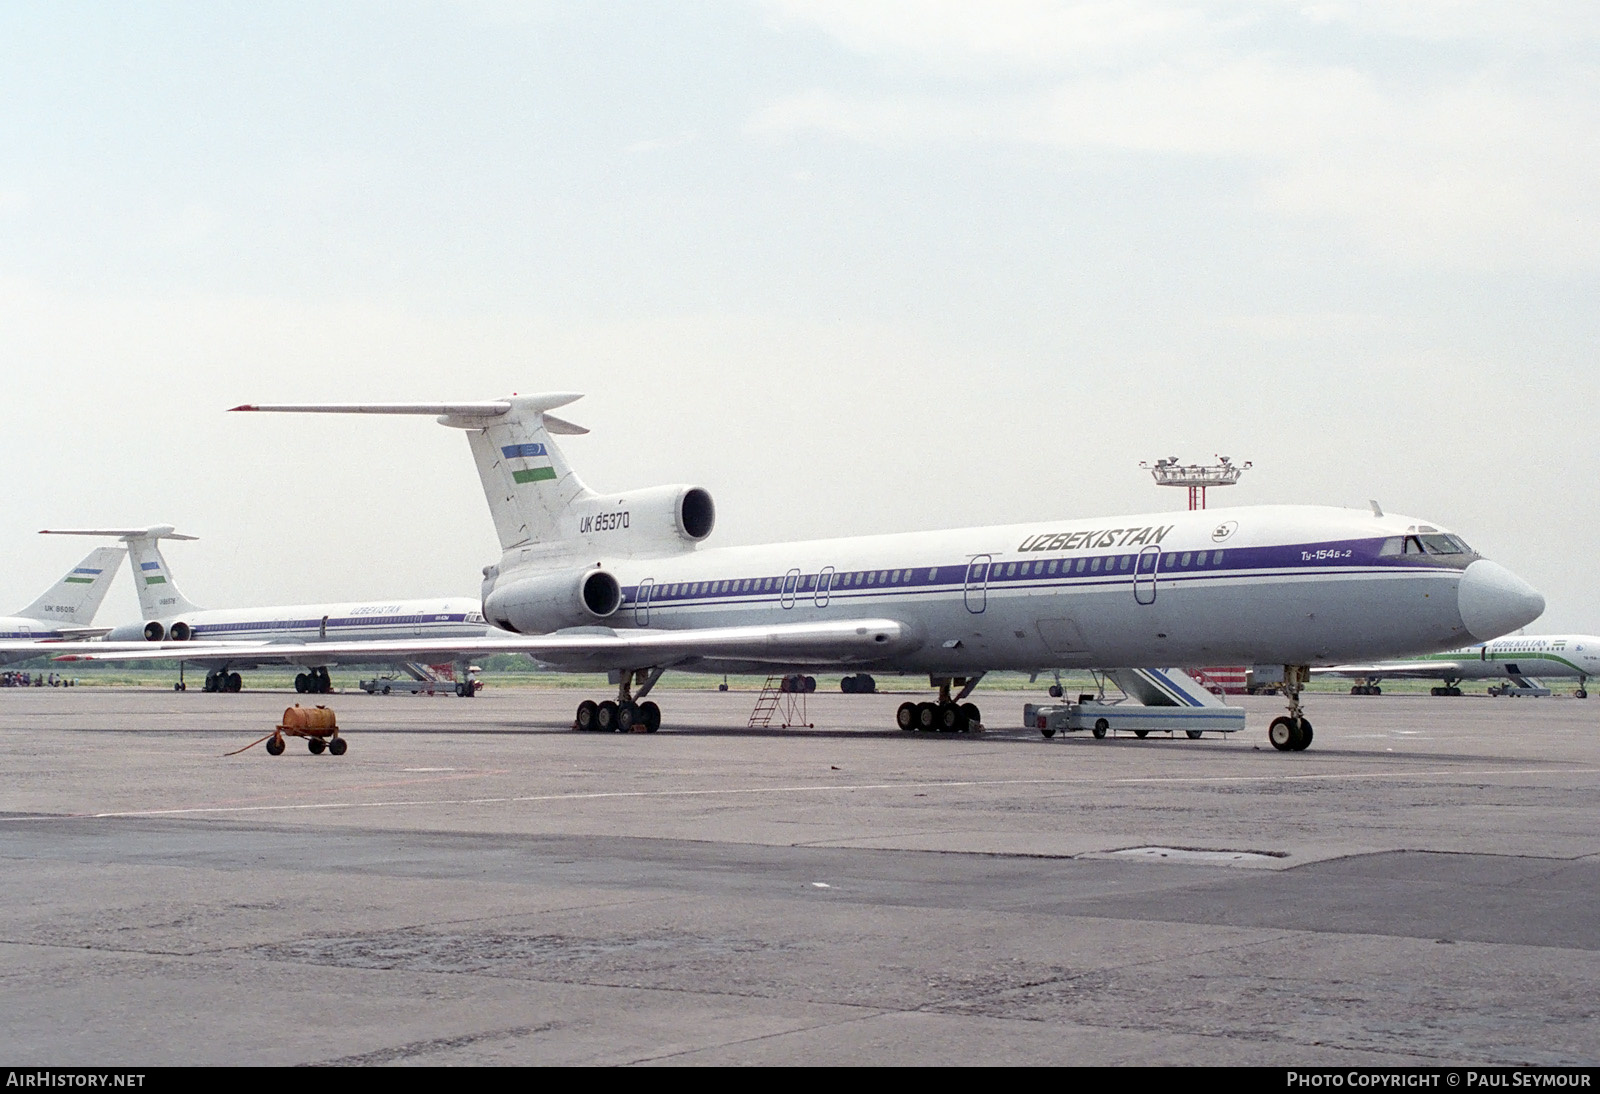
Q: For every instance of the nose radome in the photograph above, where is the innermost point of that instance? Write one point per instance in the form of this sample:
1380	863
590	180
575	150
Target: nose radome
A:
1494	601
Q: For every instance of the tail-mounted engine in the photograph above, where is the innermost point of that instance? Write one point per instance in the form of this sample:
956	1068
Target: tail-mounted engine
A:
665	519
541	603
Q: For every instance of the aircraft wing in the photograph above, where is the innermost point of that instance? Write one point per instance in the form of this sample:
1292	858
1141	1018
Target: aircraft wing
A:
1421	669
844	641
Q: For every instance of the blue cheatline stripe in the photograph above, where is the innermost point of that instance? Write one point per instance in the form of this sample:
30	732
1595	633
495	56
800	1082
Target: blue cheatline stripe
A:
522	451
347	623
1283	561
86	570
149	565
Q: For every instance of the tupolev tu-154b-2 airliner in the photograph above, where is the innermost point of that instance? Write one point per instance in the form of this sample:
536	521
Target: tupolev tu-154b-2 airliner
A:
626	583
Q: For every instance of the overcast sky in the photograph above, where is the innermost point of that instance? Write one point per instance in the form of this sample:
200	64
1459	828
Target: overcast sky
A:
853	267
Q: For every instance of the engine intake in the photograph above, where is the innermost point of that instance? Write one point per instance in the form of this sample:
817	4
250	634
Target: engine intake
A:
154	631
542	603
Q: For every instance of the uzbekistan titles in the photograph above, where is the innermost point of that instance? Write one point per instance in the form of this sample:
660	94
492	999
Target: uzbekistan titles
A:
1097	539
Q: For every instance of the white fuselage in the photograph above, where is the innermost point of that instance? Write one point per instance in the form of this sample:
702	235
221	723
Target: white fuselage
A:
439	618
1272	584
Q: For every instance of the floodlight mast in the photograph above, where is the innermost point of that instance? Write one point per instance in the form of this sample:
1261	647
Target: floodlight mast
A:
1196	476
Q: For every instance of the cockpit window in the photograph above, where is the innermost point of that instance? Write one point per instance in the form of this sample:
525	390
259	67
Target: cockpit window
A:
1441	545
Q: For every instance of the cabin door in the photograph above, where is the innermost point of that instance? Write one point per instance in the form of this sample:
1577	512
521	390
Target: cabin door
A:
1144	575
977	590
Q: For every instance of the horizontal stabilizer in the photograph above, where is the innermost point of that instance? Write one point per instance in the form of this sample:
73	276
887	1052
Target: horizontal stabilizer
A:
157	531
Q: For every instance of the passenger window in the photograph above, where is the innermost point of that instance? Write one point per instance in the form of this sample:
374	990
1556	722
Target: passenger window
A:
1216	558
1186	557
1011	569
1082	562
1094	565
1127	560
933	573
872	579
883	577
1054	565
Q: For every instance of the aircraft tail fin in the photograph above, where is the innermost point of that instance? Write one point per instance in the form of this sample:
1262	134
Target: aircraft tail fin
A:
158	592
530	487
74	600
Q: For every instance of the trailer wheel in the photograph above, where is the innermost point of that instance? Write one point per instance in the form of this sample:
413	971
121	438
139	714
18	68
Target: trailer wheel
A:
1047	731
316	745
337	746
275	746
1194	734
1100	728
1141	733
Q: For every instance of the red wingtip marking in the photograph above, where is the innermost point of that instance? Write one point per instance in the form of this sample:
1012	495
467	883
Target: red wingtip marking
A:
246	406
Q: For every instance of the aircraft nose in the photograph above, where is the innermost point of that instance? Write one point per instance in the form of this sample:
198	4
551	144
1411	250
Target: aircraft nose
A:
1494	601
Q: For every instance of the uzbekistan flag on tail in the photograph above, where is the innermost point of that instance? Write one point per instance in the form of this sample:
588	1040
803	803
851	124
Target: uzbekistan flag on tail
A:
152	579
539	471
83	575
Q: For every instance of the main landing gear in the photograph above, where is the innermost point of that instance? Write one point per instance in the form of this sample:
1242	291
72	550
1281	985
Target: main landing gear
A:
949	714
1581	693
1292	733
315	682
627	714
222	680
1451	687
1370	687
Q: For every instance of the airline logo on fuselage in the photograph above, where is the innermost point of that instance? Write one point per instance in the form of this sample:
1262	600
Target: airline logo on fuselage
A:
1099	538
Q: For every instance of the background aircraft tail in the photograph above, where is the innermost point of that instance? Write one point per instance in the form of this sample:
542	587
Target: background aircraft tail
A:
74	600
158	592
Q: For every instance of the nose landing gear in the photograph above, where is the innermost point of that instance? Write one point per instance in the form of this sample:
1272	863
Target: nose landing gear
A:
1292	733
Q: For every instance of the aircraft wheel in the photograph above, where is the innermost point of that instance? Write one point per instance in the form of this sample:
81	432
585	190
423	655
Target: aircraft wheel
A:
386	689
275	746
300	683
235	682
177	687
1193	734
1282	733
1580	694
906	716
316	745
1054	691
605	717
337	746
1141	733
1047	732
1303	738
650	716
950	719
927	716
1100	728
810	684
627	717
974	718
584	720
